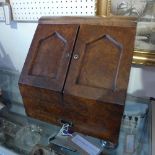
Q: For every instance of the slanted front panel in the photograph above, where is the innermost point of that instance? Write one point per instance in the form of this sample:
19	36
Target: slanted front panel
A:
95	70
49	56
95	89
42	62
101	63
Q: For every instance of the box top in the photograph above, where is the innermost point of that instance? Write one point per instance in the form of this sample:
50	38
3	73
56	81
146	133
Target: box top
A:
95	20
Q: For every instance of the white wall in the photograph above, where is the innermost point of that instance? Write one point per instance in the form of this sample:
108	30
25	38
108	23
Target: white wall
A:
142	81
16	40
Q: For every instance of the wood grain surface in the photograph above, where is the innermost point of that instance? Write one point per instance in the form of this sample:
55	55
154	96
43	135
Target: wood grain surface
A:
77	70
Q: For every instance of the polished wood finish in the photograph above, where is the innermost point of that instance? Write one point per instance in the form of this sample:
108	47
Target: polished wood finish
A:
102	70
92	20
48	60
77	70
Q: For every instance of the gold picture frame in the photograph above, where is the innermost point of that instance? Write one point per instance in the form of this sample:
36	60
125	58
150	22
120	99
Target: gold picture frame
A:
140	56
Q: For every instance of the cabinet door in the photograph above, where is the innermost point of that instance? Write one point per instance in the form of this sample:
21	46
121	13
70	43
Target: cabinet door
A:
49	56
101	63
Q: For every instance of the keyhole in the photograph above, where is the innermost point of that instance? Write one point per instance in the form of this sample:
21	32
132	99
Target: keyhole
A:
76	56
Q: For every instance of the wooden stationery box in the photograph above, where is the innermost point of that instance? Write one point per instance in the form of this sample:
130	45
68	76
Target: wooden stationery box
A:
77	70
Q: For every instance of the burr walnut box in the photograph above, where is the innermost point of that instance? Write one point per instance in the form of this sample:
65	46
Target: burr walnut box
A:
77	70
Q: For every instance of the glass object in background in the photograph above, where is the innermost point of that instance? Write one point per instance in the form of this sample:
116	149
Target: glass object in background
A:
135	129
8	131
27	137
9	86
8	78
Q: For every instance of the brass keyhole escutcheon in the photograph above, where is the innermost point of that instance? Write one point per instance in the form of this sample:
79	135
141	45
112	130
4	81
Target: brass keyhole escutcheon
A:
76	56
